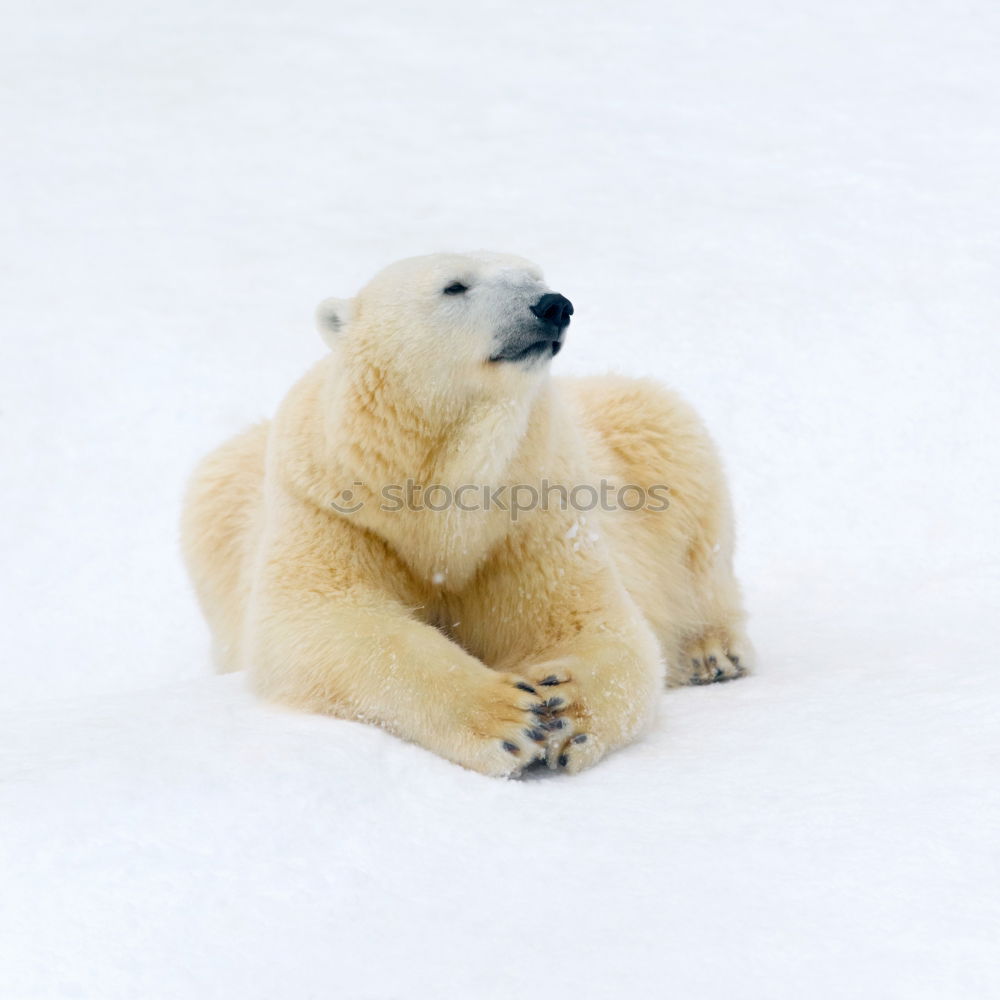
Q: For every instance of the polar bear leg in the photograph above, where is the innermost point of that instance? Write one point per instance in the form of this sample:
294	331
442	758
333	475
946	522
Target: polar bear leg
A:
676	565
713	645
326	636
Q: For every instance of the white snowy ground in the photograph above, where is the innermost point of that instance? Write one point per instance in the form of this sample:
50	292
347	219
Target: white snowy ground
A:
787	211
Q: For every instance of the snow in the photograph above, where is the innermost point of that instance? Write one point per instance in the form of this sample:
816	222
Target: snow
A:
786	211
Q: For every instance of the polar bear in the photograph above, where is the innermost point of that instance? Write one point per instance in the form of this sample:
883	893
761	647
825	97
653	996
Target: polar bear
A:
363	554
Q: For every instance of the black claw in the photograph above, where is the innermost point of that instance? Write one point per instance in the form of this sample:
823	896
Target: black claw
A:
713	662
696	663
550	680
525	687
555	702
580	738
535	734
553	725
510	747
563	760
735	659
539	709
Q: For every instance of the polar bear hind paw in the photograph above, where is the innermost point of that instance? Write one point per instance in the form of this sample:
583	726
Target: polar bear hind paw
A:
715	658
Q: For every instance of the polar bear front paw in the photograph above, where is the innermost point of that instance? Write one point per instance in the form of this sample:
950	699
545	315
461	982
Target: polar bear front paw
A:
570	745
501	731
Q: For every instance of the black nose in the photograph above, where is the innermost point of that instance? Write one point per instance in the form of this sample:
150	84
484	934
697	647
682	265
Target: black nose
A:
554	309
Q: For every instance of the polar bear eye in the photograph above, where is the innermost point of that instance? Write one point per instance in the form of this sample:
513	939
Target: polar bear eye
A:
455	288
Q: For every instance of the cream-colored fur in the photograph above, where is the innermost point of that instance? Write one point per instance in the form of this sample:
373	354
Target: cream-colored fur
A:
490	641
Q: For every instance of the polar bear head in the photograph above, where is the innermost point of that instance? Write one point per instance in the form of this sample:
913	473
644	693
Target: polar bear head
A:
451	326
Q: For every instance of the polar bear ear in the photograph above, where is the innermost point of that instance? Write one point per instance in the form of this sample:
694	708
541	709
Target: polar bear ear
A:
332	318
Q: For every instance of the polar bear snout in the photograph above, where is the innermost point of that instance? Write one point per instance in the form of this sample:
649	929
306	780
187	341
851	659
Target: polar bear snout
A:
541	338
553	309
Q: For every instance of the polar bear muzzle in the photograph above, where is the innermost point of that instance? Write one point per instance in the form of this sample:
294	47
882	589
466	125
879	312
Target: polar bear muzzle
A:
542	338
